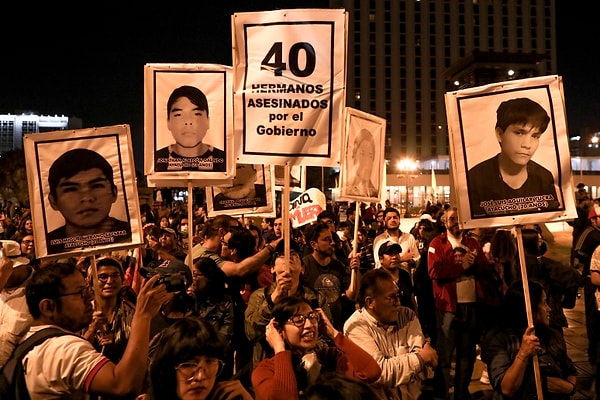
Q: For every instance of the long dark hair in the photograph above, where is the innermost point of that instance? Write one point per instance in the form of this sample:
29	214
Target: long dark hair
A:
514	312
182	341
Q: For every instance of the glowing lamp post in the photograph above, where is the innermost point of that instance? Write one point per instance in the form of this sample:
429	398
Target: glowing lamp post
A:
408	167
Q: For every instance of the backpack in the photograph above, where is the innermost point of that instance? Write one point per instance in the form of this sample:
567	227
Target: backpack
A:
12	376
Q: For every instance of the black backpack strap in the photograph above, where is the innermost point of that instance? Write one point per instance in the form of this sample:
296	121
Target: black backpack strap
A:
23	348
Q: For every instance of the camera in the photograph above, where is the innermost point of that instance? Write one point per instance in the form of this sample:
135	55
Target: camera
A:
174	281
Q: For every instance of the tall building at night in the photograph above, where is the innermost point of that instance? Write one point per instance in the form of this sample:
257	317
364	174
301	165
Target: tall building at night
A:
404	55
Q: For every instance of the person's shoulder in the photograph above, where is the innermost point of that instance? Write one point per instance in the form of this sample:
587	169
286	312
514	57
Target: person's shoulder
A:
58	233
484	165
217	153
119	225
538	170
162	153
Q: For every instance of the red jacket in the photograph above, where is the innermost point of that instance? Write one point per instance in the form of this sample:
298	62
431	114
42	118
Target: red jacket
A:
445	266
274	378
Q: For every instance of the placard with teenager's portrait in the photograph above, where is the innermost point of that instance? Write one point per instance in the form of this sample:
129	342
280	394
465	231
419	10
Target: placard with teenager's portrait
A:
510	153
251	192
363	156
85	182
188	122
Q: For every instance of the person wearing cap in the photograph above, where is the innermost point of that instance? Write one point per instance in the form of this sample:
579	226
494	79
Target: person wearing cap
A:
110	328
453	261
392	335
410	253
583	249
165	248
15	318
389	258
288	282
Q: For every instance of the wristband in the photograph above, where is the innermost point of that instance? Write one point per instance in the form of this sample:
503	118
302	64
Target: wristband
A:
572	393
270	248
520	358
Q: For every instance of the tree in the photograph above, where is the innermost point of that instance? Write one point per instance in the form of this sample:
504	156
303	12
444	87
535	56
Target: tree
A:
13	176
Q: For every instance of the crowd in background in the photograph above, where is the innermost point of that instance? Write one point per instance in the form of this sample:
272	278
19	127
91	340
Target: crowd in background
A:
379	314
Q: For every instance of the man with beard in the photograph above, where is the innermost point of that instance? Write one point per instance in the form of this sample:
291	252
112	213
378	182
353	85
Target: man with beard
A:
58	296
454	259
392	232
328	276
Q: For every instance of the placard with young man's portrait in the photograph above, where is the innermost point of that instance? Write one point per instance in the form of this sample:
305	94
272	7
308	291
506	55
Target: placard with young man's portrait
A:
85	180
188	122
362	167
510	153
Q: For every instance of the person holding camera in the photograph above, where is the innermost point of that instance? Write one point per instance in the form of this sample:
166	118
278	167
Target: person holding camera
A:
293	333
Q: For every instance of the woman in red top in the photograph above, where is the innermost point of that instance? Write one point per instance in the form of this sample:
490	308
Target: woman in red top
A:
293	334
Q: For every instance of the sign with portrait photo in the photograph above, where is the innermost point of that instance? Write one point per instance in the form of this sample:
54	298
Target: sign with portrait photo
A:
297	177
85	182
188	123
251	192
510	153
289	82
363	156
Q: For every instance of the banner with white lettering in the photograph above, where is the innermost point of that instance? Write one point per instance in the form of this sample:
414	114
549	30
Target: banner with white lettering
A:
305	208
85	189
289	82
363	156
188	124
510	153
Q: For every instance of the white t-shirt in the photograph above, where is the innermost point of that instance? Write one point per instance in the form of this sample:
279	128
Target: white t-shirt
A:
62	367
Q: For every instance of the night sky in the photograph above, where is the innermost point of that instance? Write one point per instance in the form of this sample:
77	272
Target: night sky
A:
91	65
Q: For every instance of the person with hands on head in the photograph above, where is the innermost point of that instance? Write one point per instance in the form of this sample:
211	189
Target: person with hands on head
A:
287	282
59	296
508	349
293	333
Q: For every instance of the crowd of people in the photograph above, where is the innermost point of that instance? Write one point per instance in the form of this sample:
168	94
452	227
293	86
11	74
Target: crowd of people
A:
356	308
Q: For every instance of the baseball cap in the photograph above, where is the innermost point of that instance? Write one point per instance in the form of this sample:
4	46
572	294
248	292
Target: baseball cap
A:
173	267
168	230
593	213
389	248
13	251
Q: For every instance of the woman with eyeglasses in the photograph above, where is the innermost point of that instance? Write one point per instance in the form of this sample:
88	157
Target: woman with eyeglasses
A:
187	364
293	333
111	323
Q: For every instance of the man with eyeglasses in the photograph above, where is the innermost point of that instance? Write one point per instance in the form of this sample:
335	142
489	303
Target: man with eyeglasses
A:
392	334
15	319
68	366
287	283
213	236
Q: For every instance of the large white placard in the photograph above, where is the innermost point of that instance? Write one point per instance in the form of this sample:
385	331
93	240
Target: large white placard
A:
85	189
188	124
289	83
510	153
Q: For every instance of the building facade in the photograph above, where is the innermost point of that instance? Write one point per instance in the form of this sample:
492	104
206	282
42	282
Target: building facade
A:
14	126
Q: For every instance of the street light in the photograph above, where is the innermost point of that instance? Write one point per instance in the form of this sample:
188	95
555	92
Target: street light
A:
407	166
